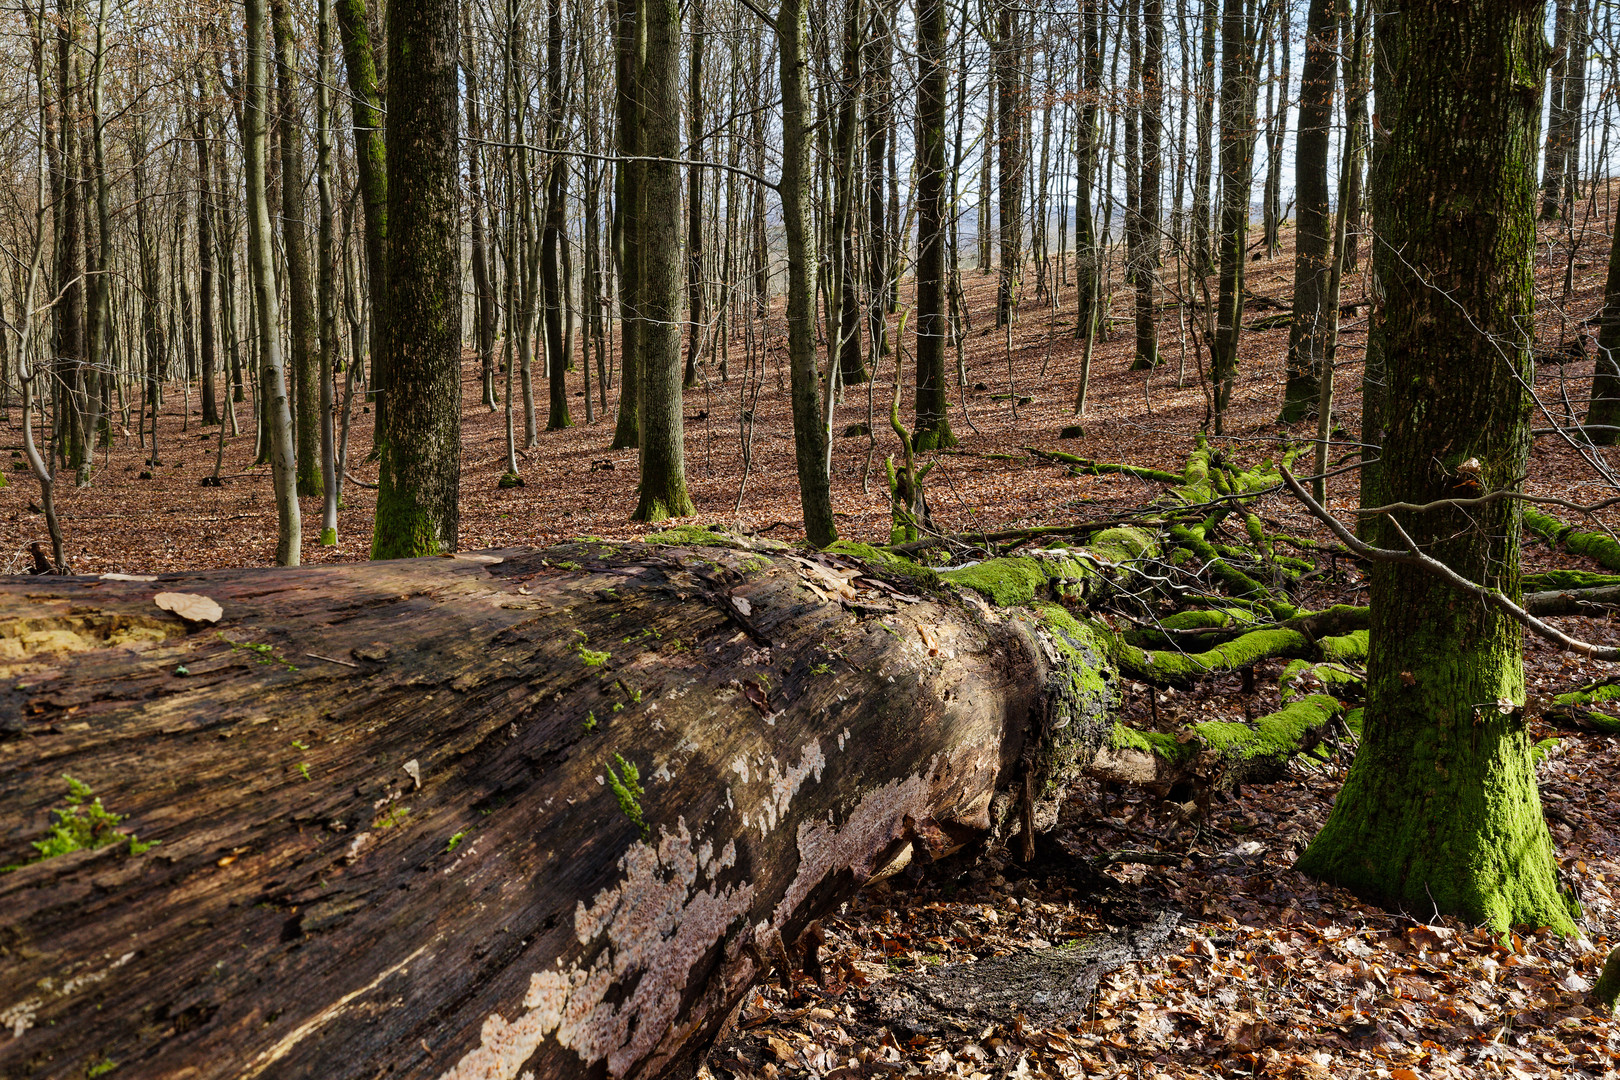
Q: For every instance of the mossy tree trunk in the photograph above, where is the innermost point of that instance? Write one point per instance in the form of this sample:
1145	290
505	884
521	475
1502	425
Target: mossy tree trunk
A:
1440	809
370	160
663	452
933	426
419	482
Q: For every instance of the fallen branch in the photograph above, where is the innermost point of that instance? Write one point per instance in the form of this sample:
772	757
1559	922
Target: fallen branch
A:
1413	556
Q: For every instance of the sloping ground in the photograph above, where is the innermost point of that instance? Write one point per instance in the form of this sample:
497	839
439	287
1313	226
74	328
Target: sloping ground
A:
1272	975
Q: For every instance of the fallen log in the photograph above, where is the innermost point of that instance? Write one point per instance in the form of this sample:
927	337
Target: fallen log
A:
506	813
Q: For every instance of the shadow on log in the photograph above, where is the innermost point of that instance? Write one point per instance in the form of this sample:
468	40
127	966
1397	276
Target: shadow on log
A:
511	812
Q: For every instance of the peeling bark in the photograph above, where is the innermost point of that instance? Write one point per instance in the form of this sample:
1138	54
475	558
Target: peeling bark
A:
475	816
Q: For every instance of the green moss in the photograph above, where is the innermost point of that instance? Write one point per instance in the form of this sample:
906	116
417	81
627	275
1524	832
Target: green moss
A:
1168	666
1539	752
100	1068
84	825
455	841
1276	736
1122	544
1240	583
626	787
1151	742
1568	579
1607	989
1011	582
888	562
1348	648
328	538
696	536
1342	681
393	819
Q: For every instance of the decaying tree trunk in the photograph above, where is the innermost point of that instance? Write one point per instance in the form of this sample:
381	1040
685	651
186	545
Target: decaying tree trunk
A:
482	816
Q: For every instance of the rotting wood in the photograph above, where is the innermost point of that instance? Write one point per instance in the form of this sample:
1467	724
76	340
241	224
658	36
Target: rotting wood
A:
617	791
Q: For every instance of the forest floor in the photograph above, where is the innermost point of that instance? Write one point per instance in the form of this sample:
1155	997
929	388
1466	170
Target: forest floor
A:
1277	975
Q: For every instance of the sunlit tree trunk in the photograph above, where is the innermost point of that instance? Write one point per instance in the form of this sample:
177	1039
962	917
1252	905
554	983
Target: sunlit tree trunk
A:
267	304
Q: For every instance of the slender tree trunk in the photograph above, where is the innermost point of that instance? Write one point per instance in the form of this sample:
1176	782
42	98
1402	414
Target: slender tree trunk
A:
1087	250
696	317
1149	218
205	270
370	155
305	359
1203	246
1276	128
1313	320
419	479
1440	810
1239	53
1009	154
1552	172
630	40
325	275
809	433
267	304
555	226
1603	410
484	329
933	426
879	48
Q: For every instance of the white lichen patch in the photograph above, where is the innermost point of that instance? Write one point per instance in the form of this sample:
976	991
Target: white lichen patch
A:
657	925
785	785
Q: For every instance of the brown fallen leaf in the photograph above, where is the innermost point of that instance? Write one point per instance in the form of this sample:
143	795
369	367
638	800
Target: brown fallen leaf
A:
192	607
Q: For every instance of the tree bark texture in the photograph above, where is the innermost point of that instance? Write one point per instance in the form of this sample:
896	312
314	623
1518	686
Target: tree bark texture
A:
1310	331
476	816
277	425
419	480
809	432
663	440
1440	809
301	330
1604	406
933	426
365	108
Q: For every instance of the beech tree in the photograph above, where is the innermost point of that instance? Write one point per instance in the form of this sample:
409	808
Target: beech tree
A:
1440	809
419	481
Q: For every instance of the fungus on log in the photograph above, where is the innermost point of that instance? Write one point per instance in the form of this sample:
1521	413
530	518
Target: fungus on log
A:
508	812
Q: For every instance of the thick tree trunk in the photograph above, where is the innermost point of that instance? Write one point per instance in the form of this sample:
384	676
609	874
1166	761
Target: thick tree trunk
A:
630	44
205	270
553	280
1008	62
476	816
419	480
1440	809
